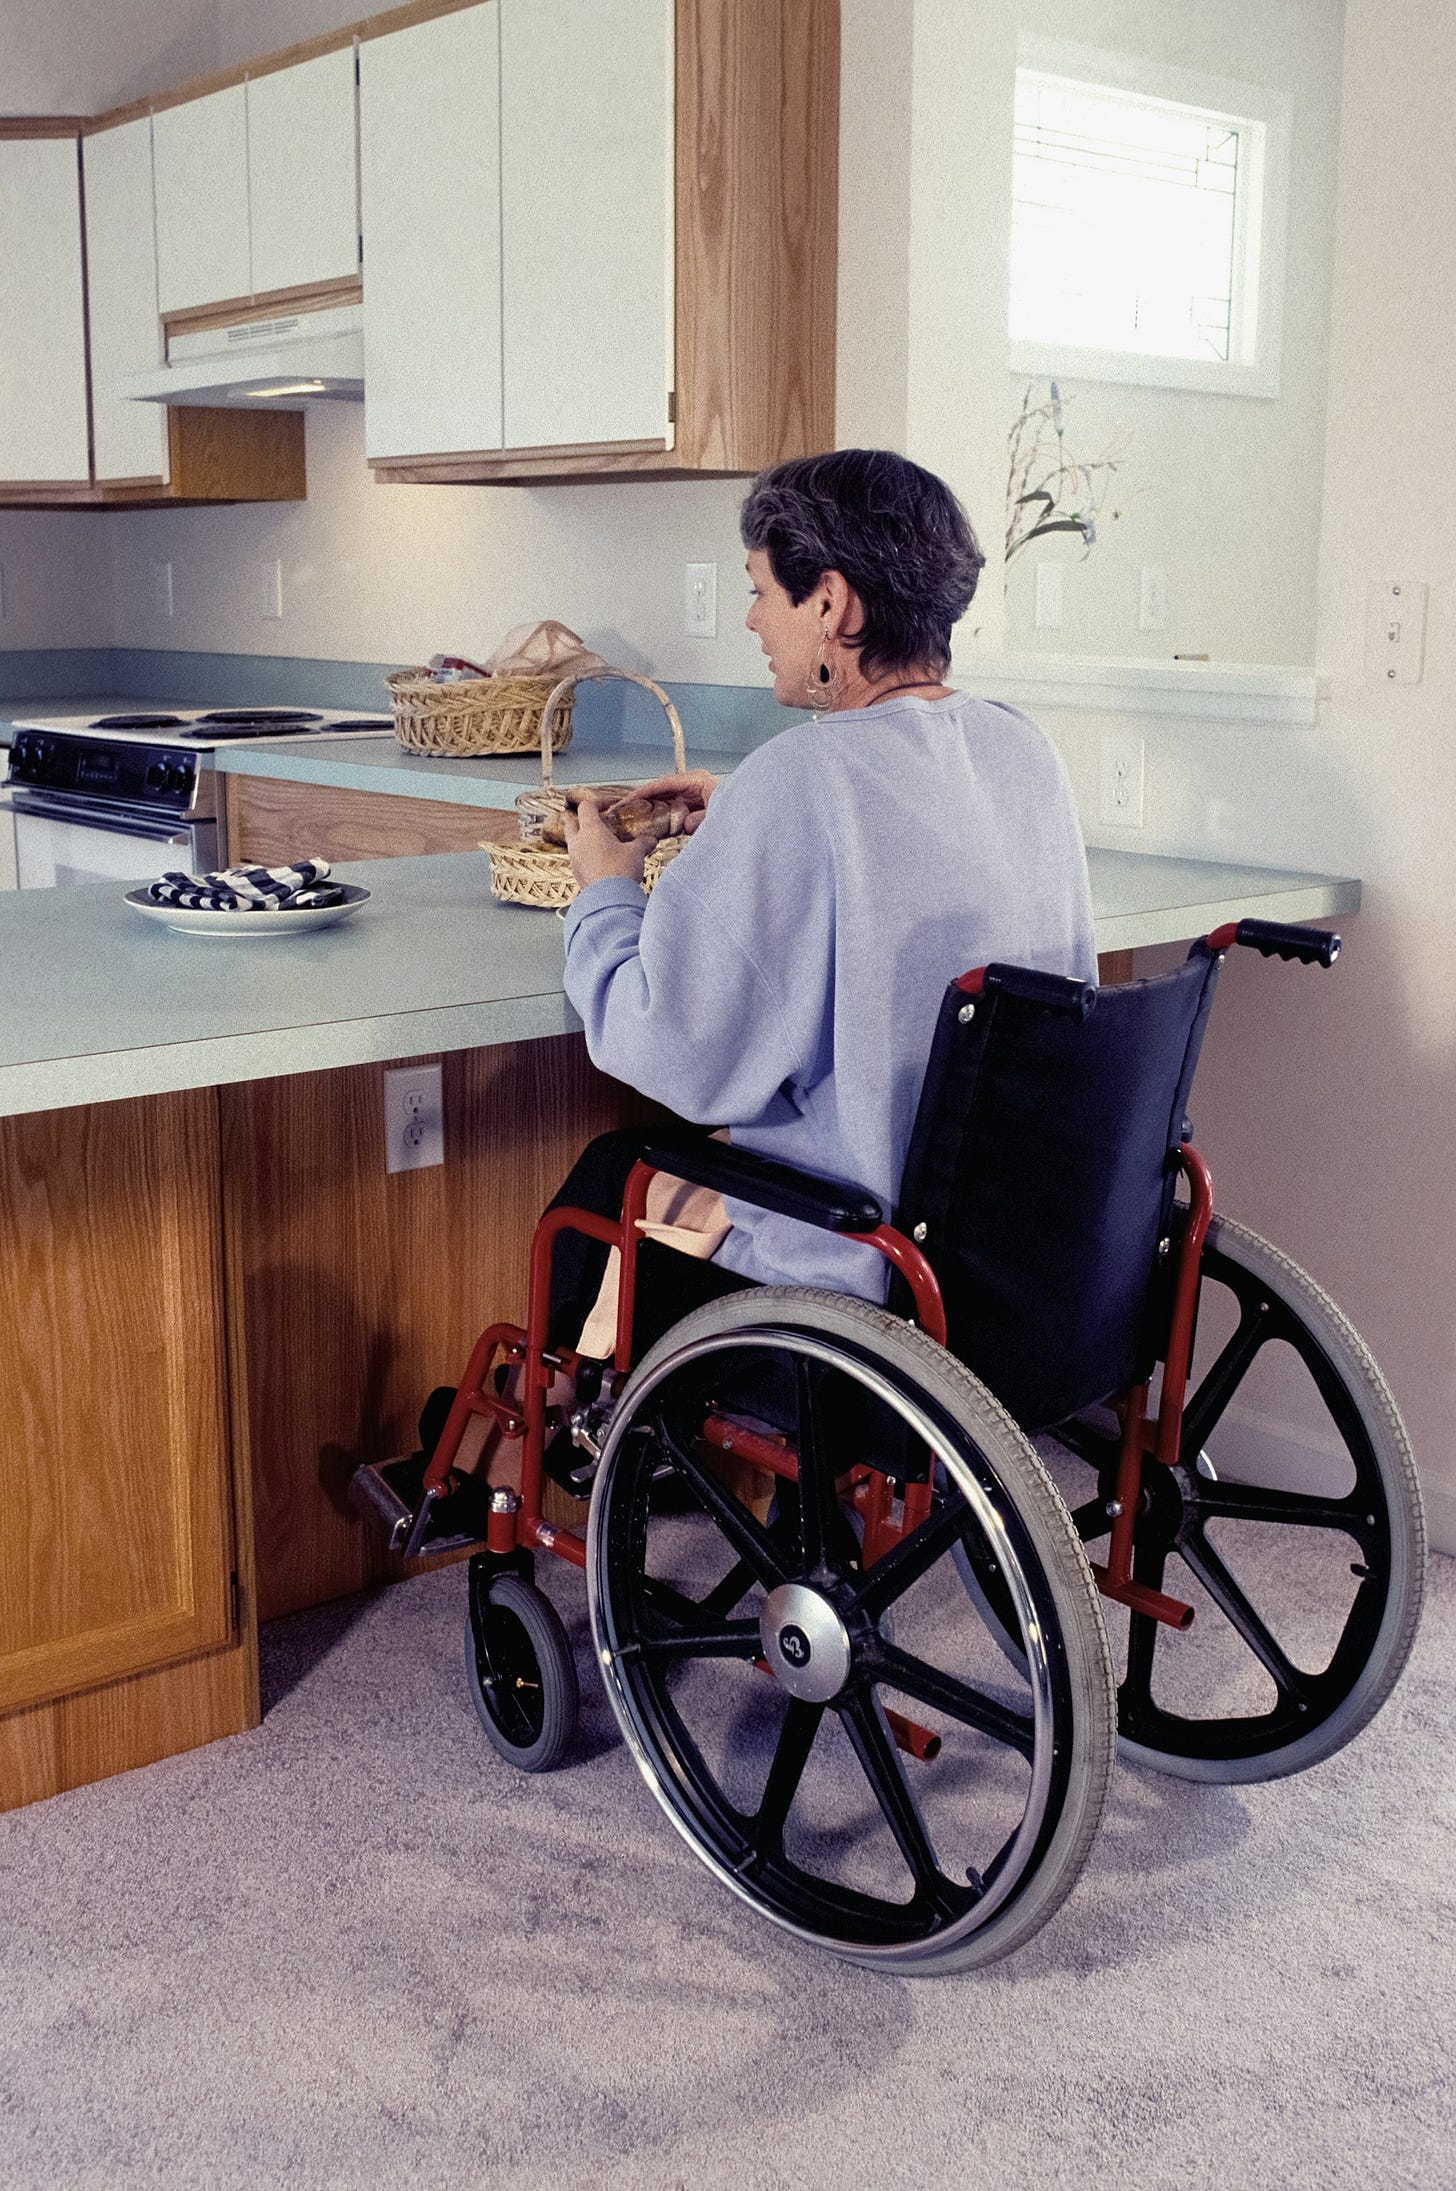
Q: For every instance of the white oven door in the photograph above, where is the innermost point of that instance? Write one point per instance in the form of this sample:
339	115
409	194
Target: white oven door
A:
72	842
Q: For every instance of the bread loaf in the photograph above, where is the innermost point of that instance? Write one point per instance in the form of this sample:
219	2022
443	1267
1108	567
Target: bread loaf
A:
624	810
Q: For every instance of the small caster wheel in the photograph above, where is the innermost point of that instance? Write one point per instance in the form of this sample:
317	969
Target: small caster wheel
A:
520	1671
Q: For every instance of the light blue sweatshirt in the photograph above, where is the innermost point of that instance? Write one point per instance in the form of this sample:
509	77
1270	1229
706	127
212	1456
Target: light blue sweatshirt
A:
783	978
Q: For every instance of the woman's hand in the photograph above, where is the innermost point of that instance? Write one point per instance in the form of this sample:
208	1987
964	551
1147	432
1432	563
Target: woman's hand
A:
695	788
596	853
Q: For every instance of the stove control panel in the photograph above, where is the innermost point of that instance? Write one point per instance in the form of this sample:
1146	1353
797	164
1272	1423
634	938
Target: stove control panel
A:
101	768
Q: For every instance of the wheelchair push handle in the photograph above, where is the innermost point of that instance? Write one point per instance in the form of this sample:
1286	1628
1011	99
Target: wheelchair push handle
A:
1053	992
1273	939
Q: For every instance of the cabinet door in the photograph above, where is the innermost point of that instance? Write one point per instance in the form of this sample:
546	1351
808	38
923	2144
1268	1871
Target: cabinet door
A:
303	173
201	156
117	1540
586	225
429	154
121	284
44	430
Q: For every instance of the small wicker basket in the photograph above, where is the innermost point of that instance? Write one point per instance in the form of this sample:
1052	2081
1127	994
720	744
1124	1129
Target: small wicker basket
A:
474	715
532	873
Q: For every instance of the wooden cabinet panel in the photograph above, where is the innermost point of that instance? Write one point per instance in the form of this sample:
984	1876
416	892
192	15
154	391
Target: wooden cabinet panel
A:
586	219
115	1549
130	438
44	424
429	148
303	173
361	1290
269	821
200	151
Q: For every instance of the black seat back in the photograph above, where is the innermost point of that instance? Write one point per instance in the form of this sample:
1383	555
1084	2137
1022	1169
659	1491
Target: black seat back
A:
1042	1167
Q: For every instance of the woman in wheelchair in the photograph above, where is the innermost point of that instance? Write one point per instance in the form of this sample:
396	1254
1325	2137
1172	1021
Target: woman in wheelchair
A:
840	1602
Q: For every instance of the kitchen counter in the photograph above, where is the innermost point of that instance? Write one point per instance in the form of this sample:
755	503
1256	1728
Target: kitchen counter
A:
97	1003
382	765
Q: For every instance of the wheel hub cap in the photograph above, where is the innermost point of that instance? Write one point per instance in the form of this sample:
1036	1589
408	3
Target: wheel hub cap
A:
805	1642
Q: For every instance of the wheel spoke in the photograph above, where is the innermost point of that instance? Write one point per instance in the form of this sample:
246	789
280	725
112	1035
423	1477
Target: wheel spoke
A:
751	1542
725	1595
815	1483
881	1765
1205	1410
957	1699
725	1639
1253	1503
913	1556
791	1755
1199	1556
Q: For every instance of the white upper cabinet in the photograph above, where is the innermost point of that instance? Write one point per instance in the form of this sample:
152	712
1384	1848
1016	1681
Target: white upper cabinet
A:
586	219
44	434
121	279
429	119
302	176
201	153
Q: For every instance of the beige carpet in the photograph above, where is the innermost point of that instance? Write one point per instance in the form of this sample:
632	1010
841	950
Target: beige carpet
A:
352	1949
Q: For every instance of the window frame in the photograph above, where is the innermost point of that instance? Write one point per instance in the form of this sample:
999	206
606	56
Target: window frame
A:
1261	225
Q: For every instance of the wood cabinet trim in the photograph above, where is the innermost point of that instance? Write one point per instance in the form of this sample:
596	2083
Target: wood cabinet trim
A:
265	304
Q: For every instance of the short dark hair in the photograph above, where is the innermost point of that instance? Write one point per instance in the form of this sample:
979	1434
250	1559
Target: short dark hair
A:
896	532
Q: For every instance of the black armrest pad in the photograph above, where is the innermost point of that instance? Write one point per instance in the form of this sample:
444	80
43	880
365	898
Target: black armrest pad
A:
829	1203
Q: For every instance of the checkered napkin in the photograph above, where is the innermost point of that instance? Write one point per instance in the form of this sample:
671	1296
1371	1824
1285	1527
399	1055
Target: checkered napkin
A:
251	889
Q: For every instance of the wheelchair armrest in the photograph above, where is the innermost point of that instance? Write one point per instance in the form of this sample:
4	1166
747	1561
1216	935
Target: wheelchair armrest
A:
831	1204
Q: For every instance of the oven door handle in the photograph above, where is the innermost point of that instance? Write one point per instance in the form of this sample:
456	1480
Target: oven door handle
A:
89	817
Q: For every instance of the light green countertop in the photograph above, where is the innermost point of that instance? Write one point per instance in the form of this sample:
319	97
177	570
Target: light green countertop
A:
382	765
97	1002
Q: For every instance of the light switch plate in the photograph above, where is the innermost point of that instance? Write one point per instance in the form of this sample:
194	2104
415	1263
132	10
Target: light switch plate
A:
164	594
270	588
1395	630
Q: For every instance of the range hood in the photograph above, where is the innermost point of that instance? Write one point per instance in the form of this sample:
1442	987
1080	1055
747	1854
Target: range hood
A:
280	364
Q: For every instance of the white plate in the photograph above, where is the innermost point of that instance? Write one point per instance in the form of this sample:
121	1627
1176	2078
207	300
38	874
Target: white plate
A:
190	920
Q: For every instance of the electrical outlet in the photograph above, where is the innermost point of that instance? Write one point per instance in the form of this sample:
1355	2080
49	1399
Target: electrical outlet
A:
1048	596
1153	600
1120	782
270	588
414	1118
700	603
2	593
1395	630
164	593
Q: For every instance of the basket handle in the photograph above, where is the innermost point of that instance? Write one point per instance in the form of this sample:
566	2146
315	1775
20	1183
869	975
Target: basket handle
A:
589	676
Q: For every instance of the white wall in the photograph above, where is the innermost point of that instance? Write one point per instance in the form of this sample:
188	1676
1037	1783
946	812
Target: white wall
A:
1326	1102
56	582
81	56
1221	492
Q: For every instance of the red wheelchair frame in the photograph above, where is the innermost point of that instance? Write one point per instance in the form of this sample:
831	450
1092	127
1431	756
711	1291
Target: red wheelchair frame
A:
516	1522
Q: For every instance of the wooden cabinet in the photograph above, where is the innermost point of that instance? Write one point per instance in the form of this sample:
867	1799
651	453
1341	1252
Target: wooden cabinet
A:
130	439
303	195
125	1556
666	214
44	426
429	122
200	153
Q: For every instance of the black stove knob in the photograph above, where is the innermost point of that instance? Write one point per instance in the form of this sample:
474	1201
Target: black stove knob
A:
157	776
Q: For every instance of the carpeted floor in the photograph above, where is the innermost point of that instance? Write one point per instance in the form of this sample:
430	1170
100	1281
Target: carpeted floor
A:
351	1949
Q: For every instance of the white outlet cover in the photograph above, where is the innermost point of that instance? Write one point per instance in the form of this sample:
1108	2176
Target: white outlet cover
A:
1395	630
2	593
414	1118
1120	782
1153	599
164	593
270	588
700	600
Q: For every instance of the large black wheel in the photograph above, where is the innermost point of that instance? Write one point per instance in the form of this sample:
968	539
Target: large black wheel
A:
520	1671
1292	1523
763	1674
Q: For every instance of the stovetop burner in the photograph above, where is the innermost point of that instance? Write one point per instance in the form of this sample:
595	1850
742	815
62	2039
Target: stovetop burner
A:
137	722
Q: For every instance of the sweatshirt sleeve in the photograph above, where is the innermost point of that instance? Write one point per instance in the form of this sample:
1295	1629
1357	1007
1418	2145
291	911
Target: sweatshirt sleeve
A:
710	995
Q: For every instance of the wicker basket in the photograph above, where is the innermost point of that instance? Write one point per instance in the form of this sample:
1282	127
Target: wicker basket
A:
532	873
474	715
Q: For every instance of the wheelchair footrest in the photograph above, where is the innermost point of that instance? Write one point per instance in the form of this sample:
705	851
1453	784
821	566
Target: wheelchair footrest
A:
391	1495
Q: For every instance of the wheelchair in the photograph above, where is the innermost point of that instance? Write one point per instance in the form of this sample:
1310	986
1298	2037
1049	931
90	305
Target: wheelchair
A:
874	1649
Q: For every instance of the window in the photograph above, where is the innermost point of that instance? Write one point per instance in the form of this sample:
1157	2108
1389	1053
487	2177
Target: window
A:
1147	228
